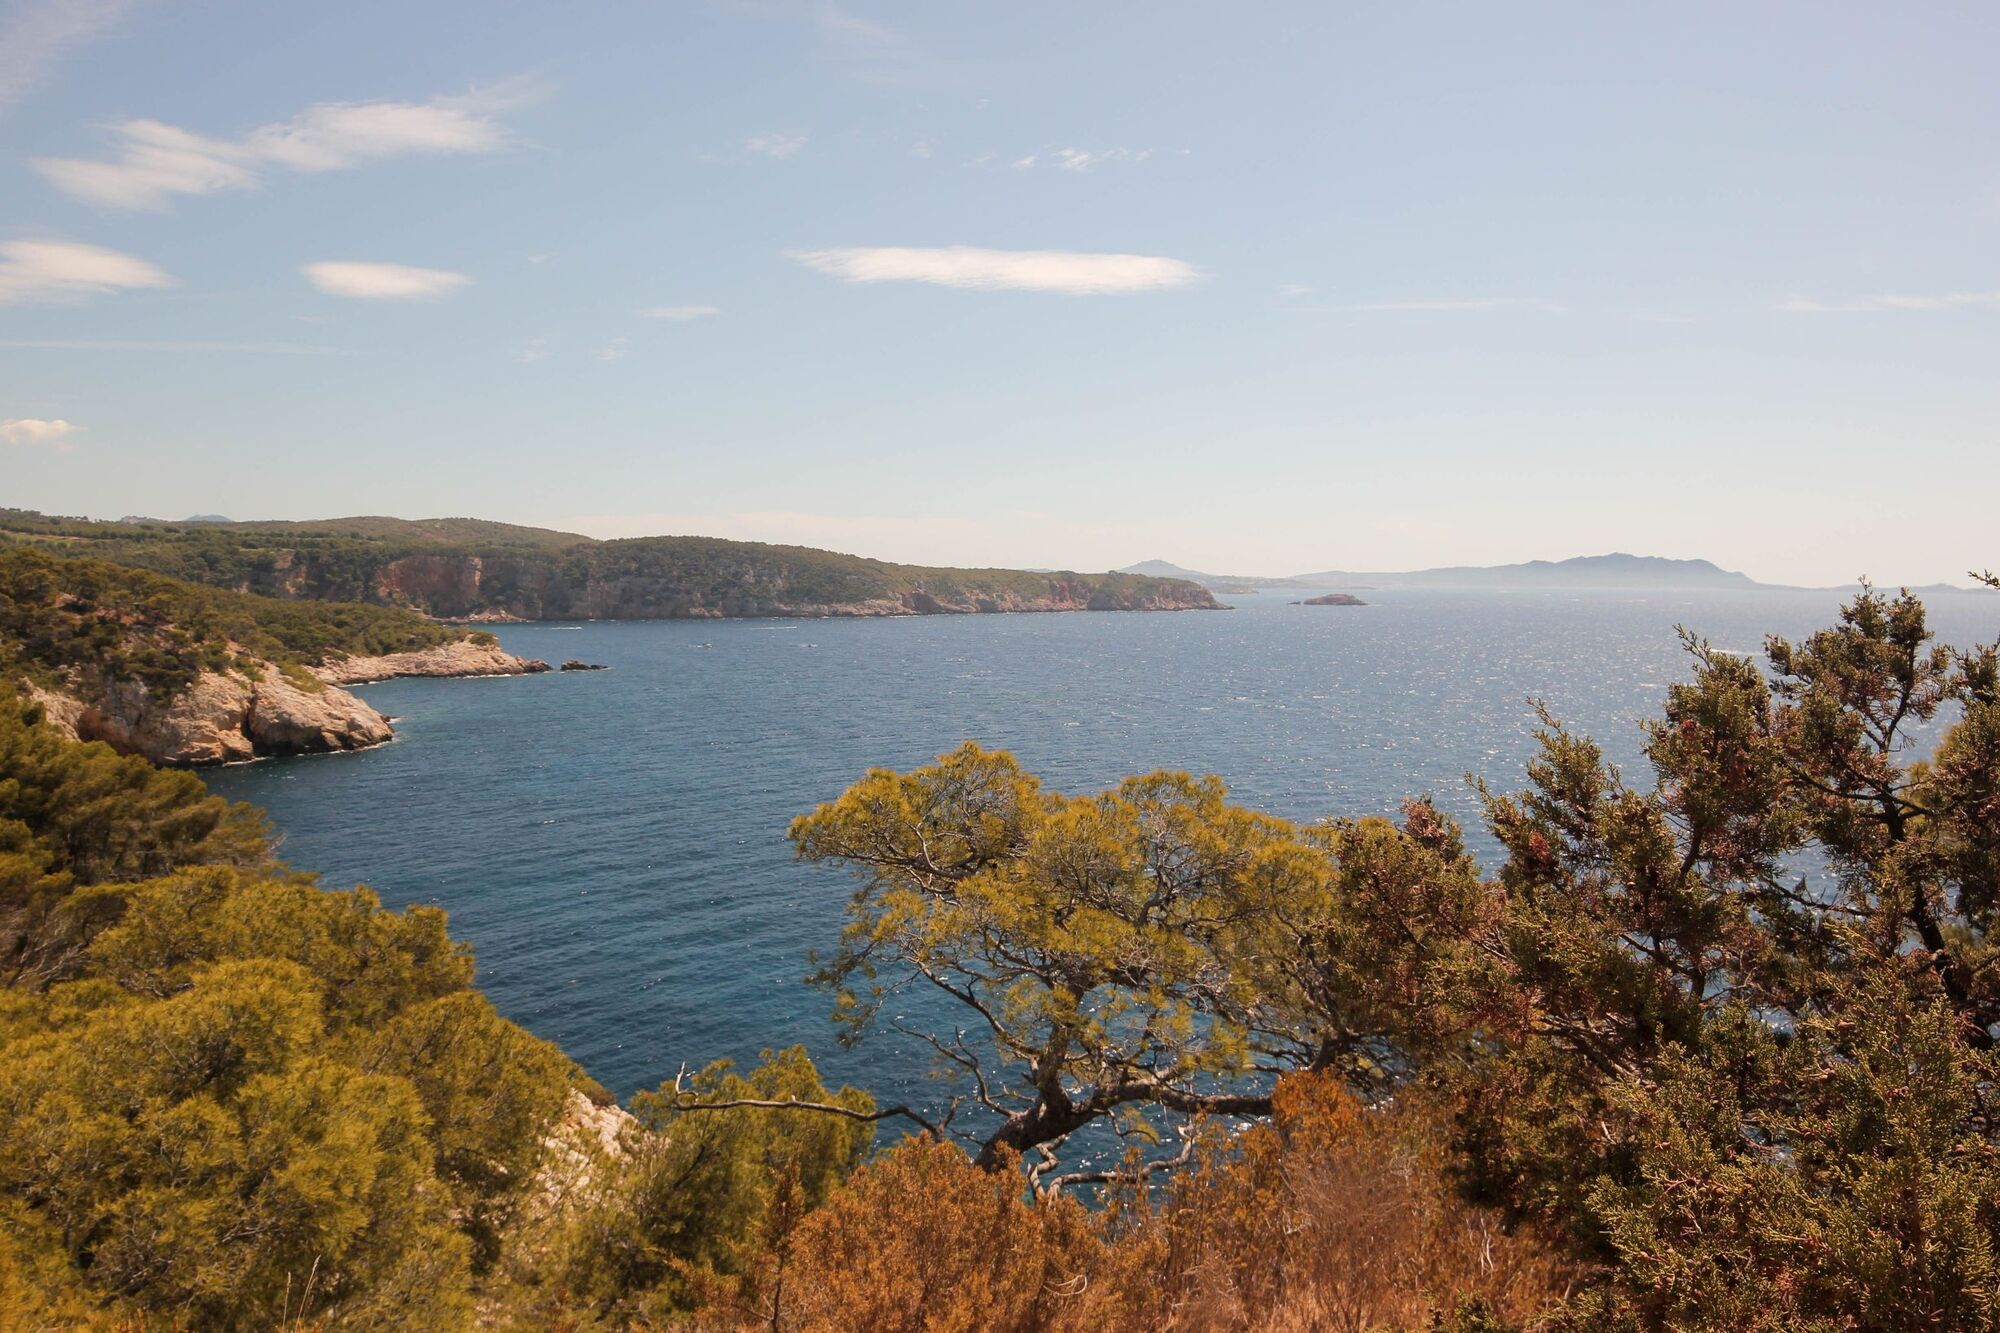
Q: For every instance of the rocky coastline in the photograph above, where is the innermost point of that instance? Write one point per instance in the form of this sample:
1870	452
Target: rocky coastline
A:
259	709
467	657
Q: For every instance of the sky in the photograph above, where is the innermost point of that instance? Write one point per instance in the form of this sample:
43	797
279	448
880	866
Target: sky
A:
1258	289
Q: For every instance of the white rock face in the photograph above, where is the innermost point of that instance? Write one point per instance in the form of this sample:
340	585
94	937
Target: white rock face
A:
225	717
220	718
585	1139
463	658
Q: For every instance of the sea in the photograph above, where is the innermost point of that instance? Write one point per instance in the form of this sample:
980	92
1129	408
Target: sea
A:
612	843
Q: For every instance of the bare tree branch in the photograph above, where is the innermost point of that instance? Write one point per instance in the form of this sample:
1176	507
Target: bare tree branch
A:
682	1093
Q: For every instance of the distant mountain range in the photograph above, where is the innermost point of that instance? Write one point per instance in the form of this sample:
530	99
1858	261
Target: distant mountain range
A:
1616	570
1164	569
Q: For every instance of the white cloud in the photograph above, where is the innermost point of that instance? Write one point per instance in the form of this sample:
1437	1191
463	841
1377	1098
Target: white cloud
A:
34	430
68	270
614	350
678	312
1802	305
381	282
537	349
35	34
156	161
779	144
1018	270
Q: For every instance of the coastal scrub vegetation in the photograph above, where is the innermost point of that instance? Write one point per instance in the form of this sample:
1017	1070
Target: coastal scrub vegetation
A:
1711	1047
66	616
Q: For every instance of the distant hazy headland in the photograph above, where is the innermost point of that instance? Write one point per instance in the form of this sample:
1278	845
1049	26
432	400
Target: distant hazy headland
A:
1617	570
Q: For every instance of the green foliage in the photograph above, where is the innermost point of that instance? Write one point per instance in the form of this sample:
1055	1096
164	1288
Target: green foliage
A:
702	1193
491	1091
78	815
196	1153
1139	952
228	1098
1744	1048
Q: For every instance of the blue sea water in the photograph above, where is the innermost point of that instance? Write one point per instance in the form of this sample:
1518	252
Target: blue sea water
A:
613	844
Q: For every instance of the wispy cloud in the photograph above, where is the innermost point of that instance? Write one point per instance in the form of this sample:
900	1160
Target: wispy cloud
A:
155	161
35	35
678	312
614	350
1802	305
35	430
1063	271
536	349
34	271
1081	159
381	282
780	144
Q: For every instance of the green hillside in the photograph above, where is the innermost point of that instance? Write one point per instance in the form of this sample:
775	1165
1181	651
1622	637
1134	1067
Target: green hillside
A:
456	568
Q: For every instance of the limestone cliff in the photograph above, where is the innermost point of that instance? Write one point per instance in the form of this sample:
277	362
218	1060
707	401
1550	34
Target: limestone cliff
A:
222	717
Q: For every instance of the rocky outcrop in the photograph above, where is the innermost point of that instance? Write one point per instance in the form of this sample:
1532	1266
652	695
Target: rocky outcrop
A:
222	717
1333	599
575	1152
464	658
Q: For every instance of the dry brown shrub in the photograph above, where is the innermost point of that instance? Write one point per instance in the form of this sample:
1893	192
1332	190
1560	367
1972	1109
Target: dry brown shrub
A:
1329	1217
922	1239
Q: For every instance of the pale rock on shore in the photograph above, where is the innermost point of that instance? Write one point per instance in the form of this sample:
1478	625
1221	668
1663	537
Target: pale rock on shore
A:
464	658
227	717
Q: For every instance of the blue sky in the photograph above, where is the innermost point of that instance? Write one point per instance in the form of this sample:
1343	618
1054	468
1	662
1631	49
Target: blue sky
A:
1257	288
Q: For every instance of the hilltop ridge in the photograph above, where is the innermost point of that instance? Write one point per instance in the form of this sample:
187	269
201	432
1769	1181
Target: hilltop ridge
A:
475	570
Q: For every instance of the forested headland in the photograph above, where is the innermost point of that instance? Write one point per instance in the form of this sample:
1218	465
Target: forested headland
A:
473	569
1711	1047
